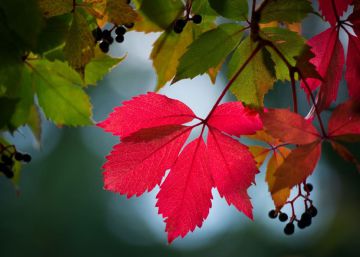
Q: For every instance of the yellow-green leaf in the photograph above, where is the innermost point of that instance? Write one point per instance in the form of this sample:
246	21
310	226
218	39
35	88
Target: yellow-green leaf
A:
256	79
52	8
79	44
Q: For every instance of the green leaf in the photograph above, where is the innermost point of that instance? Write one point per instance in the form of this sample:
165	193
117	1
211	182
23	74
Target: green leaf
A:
285	10
256	79
232	9
289	43
167	50
52	8
99	66
7	108
23	19
53	34
79	44
58	88
210	49
159	18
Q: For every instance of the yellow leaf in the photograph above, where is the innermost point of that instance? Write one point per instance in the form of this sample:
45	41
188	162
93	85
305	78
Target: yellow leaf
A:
120	12
260	153
167	50
279	197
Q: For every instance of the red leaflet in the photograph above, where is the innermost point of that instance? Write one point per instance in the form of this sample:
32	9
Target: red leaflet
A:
354	18
300	164
152	139
333	8
345	120
352	75
329	60
289	127
140	161
233	169
185	197
146	111
234	119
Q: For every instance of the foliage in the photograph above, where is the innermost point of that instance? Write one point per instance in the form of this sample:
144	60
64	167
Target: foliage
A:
50	68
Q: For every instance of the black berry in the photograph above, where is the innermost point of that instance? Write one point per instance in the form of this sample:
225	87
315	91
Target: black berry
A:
272	214
119	38
283	217
179	25
308	187
129	25
197	19
19	156
104	46
120	30
27	158
289	229
97	34
6	170
312	211
7	160
301	224
306	219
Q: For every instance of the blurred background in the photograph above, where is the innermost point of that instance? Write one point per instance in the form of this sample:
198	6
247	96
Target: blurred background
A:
62	209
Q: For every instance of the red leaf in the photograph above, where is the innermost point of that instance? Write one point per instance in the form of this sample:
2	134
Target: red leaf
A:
345	154
289	127
329	60
353	67
299	164
235	119
185	197
233	169
152	139
345	120
354	18
146	111
139	163
327	9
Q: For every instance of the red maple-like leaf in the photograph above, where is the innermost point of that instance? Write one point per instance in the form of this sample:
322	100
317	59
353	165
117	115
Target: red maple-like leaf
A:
344	122
153	134
352	75
354	18
292	128
329	61
331	9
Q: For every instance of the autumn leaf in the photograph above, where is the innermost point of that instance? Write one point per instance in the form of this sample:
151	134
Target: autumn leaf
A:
297	166
344	122
333	9
329	61
277	159
146	111
352	74
153	134
289	127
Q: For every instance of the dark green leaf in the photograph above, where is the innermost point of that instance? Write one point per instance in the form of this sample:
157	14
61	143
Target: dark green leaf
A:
285	10
232	9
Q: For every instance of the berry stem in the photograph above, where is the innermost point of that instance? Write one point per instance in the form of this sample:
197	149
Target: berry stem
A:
233	79
293	88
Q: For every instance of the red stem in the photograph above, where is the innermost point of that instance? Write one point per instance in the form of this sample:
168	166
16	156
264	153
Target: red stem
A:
324	135
233	79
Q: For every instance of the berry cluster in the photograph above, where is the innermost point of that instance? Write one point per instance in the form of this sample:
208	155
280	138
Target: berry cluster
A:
105	38
8	157
306	217
180	24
